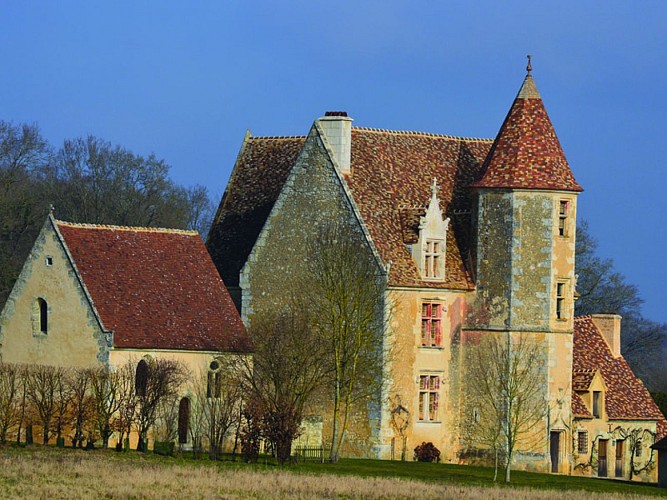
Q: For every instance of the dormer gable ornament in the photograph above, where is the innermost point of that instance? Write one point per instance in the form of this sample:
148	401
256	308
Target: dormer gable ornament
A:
430	251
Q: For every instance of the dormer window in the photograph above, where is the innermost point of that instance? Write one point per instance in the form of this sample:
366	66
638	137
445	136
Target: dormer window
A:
597	404
434	259
430	252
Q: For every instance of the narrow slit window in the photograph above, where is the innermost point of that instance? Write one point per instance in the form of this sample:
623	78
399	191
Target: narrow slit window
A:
560	301
43	315
562	217
141	378
597	403
183	420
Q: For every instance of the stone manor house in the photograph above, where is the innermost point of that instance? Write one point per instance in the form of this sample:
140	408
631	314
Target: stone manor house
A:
473	238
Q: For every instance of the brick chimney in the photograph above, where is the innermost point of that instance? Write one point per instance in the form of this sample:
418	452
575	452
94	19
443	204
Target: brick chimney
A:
337	127
610	327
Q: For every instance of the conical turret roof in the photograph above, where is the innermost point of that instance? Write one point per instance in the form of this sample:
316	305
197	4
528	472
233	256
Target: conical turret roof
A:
526	153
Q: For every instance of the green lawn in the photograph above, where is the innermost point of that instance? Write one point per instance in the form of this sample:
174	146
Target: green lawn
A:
478	476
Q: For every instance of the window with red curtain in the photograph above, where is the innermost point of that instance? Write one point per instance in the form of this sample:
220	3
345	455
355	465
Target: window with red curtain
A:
431	324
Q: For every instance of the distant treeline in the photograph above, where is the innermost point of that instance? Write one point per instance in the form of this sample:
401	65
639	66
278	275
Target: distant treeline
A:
85	180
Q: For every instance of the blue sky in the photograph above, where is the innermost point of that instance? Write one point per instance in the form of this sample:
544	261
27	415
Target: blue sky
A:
186	79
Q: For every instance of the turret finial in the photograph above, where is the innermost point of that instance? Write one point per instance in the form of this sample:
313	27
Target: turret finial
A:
529	66
434	187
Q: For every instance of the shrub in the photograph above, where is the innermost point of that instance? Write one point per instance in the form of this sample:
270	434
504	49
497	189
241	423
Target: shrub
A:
164	448
427	452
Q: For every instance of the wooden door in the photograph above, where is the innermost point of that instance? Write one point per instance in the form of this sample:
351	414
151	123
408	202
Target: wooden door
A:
620	445
554	447
602	458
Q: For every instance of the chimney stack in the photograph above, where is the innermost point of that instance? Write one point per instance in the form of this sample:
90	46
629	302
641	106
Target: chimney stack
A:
337	128
610	327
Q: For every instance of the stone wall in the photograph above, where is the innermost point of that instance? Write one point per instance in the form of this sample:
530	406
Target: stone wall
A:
74	336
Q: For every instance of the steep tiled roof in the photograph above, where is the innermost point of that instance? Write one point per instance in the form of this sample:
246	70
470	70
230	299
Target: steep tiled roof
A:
155	288
579	407
261	170
582	378
391	179
526	153
625	396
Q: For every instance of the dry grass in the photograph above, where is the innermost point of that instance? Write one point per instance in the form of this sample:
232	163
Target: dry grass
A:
75	474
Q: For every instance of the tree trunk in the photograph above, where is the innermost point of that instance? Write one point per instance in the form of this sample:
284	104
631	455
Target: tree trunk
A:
333	452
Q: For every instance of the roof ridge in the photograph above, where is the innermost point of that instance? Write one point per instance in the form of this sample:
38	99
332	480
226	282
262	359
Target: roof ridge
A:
136	229
425	134
276	137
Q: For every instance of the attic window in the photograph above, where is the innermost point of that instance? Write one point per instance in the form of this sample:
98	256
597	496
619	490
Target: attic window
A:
434	259
429	254
597	404
49	261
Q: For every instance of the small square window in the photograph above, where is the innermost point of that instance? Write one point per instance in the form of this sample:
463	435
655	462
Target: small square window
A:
582	442
49	260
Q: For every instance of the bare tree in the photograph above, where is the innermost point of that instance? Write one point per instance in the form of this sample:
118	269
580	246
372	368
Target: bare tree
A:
163	379
127	401
348	304
286	371
506	374
221	402
106	399
166	421
10	387
82	403
45	391
198	427
23	154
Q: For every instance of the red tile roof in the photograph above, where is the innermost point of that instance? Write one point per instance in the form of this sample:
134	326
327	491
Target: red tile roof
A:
579	408
626	398
526	153
391	175
582	378
391	179
384	184
259	175
155	288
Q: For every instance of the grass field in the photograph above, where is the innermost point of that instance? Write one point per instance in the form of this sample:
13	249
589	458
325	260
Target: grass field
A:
35	472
